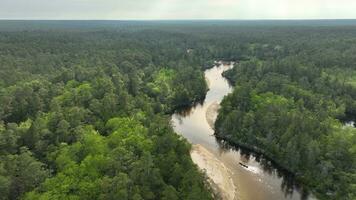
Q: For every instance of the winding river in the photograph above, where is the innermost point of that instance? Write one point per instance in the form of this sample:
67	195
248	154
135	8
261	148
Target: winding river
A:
240	173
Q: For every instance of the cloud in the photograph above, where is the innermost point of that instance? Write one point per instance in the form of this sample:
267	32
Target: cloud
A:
177	9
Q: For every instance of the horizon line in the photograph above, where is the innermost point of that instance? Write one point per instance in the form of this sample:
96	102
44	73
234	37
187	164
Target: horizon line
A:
257	19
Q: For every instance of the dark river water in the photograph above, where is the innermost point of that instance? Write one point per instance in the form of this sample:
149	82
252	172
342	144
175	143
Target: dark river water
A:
261	180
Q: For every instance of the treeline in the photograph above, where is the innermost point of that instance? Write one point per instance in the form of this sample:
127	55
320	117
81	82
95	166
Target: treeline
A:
84	106
289	102
83	115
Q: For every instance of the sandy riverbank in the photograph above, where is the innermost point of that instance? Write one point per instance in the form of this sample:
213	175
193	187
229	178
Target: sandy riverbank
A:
207	82
212	113
218	173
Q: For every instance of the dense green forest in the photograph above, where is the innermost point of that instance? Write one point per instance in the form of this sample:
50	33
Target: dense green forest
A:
290	100
85	105
84	115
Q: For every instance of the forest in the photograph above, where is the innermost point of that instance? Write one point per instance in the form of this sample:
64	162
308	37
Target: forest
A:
290	102
84	115
85	105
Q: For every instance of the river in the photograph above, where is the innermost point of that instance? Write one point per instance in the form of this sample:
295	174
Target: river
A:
261	180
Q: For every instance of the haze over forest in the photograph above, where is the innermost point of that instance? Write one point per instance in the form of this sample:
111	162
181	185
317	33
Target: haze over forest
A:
177	9
178	100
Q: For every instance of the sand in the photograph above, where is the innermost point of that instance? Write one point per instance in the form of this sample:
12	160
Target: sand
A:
212	113
219	175
207	82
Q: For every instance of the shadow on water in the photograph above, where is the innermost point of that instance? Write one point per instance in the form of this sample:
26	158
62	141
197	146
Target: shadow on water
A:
289	182
270	181
185	111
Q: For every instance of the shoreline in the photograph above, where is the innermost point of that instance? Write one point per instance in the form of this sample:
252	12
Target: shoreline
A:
220	177
212	113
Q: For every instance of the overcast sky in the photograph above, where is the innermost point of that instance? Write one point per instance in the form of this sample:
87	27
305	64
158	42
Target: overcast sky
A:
177	9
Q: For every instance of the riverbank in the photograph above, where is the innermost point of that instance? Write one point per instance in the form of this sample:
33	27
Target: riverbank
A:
220	177
220	162
212	113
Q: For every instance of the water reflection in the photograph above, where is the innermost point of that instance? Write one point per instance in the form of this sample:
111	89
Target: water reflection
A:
288	184
262	179
186	111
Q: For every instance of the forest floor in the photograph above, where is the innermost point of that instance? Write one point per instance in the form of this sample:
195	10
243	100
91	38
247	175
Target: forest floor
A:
219	175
